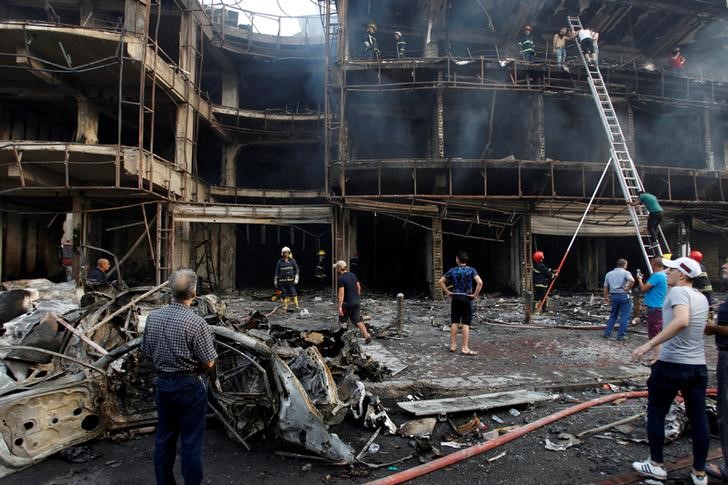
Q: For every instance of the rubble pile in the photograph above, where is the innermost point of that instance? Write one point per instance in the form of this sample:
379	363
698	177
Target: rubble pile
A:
70	373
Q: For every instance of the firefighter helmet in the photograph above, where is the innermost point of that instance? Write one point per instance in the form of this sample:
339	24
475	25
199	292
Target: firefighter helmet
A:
667	256
538	256
285	250
696	255
321	252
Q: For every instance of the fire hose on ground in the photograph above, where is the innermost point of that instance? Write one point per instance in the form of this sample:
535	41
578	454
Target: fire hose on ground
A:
461	455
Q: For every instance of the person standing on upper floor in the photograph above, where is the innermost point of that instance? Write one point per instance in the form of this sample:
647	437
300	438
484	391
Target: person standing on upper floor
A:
559	43
371	47
461	277
677	61
702	282
286	277
526	44
655	213
617	285
400	45
680	367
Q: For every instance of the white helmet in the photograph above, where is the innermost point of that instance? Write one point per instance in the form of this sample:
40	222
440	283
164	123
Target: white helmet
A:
285	249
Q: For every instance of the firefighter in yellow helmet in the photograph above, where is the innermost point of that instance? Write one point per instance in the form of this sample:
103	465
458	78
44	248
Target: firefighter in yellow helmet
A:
320	270
371	47
286	277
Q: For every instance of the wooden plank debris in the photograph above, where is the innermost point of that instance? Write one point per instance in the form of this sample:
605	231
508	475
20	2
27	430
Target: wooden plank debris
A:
480	402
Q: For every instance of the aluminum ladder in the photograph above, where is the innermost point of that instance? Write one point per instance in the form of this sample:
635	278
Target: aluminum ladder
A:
629	179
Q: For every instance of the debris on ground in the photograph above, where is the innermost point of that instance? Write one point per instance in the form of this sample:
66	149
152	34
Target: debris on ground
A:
563	442
473	403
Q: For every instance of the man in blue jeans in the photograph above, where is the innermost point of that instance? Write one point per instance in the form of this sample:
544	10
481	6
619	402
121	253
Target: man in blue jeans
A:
680	367
181	346
617	285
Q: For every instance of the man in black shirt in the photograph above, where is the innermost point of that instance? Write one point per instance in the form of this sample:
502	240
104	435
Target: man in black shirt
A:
348	290
542	276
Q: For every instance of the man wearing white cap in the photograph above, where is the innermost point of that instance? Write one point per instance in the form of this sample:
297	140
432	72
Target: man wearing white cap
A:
347	293
680	367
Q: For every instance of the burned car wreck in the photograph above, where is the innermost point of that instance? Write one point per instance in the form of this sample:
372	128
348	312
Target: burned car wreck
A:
68	376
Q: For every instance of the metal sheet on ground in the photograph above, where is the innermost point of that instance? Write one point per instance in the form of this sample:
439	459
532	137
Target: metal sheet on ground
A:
376	351
472	403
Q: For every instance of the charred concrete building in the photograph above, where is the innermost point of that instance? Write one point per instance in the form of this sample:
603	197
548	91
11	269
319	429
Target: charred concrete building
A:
175	133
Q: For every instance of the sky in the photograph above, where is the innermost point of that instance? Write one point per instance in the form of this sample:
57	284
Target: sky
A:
284	8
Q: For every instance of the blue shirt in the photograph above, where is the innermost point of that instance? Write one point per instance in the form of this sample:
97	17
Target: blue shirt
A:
655	296
462	279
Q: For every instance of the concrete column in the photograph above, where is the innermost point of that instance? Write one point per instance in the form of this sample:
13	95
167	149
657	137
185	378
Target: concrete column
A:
182	247
185	124
436	270
341	12
435	22
439	120
87	121
709	155
228	232
230	96
537	138
78	237
135	18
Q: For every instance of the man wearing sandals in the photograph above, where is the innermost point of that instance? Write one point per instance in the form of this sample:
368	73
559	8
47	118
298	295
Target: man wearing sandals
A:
461	278
679	367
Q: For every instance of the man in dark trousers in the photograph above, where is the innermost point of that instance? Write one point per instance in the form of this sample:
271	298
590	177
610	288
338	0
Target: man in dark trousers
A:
461	277
320	271
180	344
655	213
542	276
286	277
347	293
720	330
526	44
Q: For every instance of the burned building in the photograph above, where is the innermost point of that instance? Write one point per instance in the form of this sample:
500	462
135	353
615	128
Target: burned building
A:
179	133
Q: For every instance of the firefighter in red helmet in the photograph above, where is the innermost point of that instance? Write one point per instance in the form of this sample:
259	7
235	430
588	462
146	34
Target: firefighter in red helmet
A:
542	275
702	282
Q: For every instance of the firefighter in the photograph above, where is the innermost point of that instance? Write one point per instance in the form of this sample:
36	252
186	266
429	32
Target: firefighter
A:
542	275
286	277
320	271
371	48
526	44
702	282
400	45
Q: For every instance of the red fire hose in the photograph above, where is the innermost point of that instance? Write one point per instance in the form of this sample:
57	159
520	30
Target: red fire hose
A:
461	455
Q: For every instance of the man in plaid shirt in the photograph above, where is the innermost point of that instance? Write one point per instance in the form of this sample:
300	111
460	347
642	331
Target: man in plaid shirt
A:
181	345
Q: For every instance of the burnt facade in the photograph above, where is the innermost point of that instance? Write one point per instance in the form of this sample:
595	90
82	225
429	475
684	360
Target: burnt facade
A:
177	134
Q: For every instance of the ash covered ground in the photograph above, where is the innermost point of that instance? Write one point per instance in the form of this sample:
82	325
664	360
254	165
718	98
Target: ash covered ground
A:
561	353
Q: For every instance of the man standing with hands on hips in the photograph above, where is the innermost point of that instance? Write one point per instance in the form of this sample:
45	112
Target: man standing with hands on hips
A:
461	277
